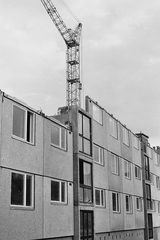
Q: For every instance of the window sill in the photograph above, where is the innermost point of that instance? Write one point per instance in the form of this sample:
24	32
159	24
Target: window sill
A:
59	203
126	145
101	207
99	164
63	149
116	212
16	207
116	138
22	140
138	178
127	178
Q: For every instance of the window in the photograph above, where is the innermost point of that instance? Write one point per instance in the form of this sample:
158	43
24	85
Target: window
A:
150	225
152	178
98	154
158	206
148	196
127	169
113	127
139	203
128	204
148	191
58	191
149	152
151	205
156	158
84	134
147	170
22	189
23	124
85	178
58	136
99	197
137	172
158	183
125	136
86	225
136	142
114	164
97	113
116	202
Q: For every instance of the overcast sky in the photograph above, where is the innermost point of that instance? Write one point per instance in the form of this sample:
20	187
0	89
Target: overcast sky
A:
120	57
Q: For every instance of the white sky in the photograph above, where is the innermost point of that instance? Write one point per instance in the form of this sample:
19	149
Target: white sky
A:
120	57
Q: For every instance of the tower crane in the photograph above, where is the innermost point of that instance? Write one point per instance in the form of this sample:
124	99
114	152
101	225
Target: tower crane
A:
72	40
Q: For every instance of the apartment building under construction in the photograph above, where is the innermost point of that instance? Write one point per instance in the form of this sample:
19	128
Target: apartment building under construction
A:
81	174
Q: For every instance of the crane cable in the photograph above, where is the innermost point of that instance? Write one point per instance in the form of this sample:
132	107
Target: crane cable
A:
68	9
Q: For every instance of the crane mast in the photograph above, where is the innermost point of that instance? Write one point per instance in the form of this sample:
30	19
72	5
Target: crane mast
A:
72	40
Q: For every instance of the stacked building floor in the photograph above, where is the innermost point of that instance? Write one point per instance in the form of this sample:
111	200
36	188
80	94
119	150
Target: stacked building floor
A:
80	174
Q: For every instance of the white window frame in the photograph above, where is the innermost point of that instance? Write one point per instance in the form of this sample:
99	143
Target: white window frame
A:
60	192
151	205
127	169
113	127
115	164
149	152
159	207
24	205
156	158
125	136
97	114
158	182
152	178
136	142
102	197
59	145
130	204
138	171
118	202
31	127
139	203
100	159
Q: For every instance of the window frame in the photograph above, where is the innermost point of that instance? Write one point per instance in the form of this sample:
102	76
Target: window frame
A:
139	204
158	207
100	155
117	201
152	178
113	127
126	140
102	197
129	205
32	192
59	145
127	169
137	172
136	142
85	187
97	113
60	201
28	129
116	164
158	182
147	168
82	137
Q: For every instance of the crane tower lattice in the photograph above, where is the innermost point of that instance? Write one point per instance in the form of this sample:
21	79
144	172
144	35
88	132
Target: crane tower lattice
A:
72	40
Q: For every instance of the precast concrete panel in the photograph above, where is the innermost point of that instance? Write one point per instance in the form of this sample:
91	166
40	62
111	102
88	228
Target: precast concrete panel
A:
19	222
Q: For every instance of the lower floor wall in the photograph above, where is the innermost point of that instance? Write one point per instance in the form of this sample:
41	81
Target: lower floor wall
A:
123	235
156	233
